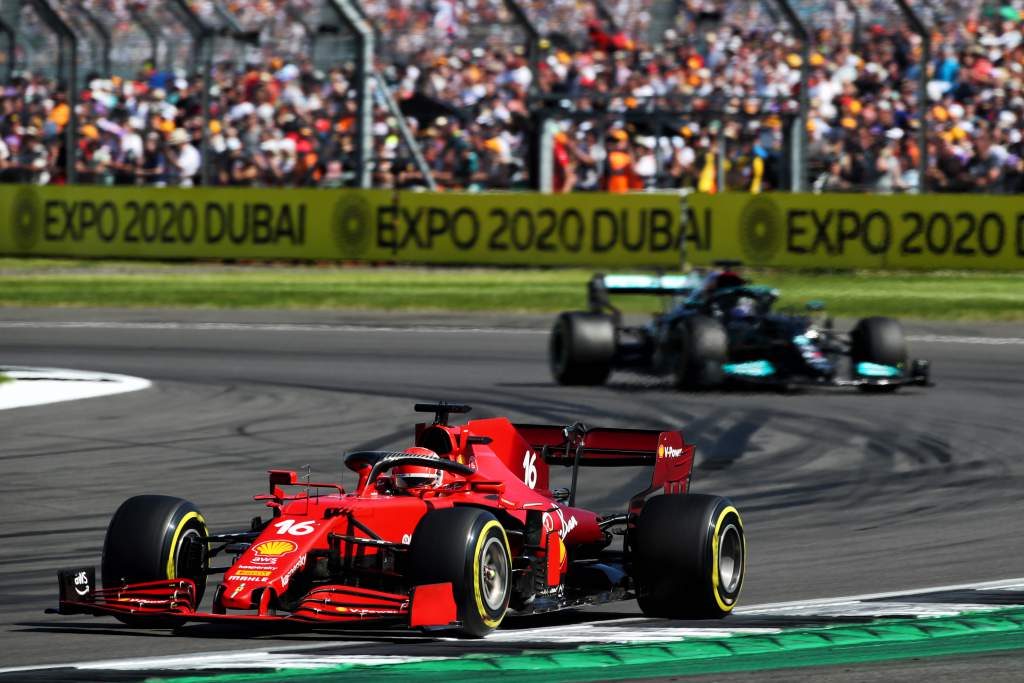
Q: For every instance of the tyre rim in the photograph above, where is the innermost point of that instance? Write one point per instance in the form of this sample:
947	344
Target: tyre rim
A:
494	574
730	559
181	565
557	352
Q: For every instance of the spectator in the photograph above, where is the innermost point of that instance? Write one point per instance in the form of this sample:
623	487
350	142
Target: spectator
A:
182	158
620	175
565	167
151	168
723	72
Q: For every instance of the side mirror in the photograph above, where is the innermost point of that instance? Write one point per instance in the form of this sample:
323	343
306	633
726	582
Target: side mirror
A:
283	477
816	305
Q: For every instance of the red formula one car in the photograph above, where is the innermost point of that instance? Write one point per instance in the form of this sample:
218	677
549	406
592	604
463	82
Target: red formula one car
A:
453	533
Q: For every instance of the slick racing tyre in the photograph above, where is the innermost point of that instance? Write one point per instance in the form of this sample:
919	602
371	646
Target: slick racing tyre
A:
702	348
880	341
468	548
581	348
689	556
154	538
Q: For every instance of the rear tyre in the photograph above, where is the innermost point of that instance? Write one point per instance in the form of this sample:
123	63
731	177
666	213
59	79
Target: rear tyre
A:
468	548
581	348
155	538
689	556
878	340
703	347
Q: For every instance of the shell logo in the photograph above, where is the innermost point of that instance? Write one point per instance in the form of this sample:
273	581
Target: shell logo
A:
274	548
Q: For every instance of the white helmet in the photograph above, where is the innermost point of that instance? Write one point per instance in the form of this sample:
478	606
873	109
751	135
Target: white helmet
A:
417	476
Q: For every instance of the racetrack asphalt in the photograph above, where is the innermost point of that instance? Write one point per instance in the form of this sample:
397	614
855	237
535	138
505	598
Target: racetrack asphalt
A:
842	492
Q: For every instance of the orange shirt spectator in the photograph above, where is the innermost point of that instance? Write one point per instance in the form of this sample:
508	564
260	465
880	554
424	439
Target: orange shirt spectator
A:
619	174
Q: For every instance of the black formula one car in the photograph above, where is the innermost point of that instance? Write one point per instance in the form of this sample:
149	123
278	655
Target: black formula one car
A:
718	328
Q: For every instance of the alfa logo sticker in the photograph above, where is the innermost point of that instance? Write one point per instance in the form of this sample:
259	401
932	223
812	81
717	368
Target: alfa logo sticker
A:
274	548
761	233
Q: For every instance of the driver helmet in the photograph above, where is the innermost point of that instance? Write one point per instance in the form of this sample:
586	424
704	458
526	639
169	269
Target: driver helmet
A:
728	279
743	310
723	280
417	476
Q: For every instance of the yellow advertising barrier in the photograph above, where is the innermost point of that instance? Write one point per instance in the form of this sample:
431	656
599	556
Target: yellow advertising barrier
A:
373	225
174	223
533	229
599	230
857	231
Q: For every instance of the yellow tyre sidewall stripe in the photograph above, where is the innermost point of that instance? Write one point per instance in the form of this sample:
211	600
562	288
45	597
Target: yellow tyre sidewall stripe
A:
715	588
171	574
491	623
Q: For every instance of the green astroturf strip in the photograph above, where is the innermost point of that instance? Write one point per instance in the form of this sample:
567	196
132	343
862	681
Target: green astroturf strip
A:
881	640
942	295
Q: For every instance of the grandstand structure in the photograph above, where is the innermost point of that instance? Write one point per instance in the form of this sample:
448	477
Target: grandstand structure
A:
802	95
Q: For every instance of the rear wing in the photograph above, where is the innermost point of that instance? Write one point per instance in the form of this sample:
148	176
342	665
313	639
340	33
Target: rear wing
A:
601	287
577	446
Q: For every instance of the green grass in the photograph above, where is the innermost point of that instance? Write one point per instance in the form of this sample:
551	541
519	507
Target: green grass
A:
38	282
4	378
29	264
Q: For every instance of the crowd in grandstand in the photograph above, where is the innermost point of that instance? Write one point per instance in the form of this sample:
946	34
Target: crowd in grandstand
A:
708	105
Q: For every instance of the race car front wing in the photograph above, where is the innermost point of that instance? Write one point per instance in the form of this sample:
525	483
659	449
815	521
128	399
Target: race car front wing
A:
426	607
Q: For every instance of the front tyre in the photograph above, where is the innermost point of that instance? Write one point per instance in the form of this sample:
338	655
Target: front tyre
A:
581	348
689	556
468	548
878	341
155	538
702	347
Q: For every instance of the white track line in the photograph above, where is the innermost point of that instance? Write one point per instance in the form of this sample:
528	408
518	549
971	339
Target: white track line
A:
263	327
433	329
954	339
616	632
40	386
1001	584
244	660
196	659
611	631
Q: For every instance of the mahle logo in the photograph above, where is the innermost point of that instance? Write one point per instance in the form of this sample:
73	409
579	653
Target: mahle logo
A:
25	218
351	225
760	230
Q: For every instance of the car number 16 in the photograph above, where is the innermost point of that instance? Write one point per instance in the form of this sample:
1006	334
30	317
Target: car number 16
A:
530	469
293	528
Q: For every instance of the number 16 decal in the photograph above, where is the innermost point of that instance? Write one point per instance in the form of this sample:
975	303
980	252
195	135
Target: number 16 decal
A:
530	469
293	528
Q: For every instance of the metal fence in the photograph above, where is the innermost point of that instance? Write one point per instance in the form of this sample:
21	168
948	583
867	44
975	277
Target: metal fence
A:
395	62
